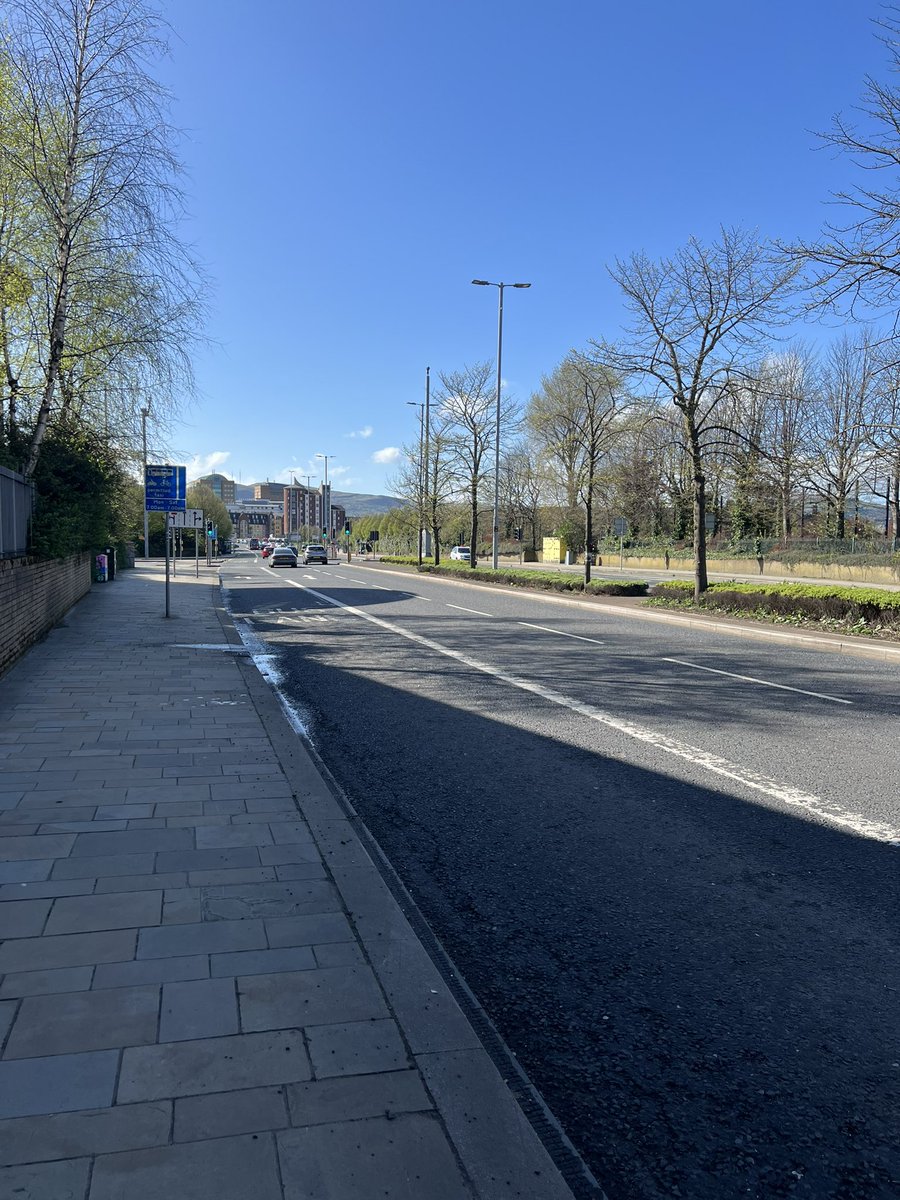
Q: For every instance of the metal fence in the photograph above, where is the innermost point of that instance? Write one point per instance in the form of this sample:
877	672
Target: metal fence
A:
16	502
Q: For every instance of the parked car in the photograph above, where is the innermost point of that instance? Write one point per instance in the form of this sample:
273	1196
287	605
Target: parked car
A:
315	554
283	556
461	554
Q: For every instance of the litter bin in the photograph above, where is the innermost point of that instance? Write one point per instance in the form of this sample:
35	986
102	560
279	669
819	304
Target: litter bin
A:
100	564
570	558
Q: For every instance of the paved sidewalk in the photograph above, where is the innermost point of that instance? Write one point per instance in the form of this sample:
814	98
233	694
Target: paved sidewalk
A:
208	989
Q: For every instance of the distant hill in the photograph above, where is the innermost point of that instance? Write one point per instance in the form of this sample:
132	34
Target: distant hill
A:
356	504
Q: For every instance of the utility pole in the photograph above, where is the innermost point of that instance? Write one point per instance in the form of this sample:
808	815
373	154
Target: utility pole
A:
427	494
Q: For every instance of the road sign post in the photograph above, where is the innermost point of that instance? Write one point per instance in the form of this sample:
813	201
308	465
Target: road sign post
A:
165	491
620	528
192	518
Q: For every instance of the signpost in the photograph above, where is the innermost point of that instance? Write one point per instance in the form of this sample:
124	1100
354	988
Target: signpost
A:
165	490
192	518
620	528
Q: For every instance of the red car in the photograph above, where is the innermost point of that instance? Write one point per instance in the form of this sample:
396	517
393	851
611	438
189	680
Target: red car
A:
266	551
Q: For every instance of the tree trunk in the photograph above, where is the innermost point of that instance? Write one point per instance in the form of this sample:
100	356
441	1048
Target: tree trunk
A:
473	539
701	581
589	523
786	523
64	239
840	503
896	499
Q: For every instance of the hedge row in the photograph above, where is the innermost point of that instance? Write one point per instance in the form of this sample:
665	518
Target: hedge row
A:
819	602
547	581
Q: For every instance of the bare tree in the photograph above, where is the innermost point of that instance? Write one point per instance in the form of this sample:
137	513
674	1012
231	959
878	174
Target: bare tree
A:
439	478
99	158
860	258
574	415
697	318
522	488
841	425
790	383
466	399
885	436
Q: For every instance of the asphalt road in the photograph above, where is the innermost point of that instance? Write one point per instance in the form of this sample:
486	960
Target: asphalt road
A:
661	857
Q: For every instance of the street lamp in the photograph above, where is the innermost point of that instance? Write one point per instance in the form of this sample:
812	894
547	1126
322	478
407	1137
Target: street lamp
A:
326	499
145	413
420	499
495	541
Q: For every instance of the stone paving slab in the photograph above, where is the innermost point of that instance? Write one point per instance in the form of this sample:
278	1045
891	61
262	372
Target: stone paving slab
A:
207	989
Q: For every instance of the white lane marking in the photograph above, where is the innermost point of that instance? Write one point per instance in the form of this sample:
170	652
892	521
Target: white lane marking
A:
750	679
562	633
476	611
785	792
309	576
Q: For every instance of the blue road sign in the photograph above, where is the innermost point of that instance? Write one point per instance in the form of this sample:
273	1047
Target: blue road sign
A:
165	488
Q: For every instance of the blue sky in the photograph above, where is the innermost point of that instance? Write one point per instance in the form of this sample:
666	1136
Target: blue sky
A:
353	164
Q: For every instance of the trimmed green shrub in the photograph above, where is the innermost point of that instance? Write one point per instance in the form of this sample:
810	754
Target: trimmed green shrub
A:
813	601
548	581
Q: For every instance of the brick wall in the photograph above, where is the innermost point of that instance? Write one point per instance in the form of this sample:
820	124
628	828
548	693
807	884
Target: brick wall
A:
34	596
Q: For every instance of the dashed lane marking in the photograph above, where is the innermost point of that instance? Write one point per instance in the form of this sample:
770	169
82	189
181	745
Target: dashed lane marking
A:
561	632
762	682
793	797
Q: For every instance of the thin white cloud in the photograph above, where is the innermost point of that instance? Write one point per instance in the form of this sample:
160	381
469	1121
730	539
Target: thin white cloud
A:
206	464
388	455
365	432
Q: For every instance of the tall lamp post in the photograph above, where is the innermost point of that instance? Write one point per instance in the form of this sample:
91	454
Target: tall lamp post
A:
145	413
420	501
495	541
326	499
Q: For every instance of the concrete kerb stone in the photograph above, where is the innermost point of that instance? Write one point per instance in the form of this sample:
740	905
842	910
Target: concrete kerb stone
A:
427	1010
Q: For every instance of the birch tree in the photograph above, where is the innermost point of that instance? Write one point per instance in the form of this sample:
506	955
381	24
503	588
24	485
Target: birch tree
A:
697	318
116	284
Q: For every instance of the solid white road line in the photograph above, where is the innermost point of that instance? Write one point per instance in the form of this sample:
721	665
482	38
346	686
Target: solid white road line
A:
786	793
476	611
750	679
562	633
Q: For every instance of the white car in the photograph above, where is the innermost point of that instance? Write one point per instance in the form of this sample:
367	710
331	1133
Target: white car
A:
461	554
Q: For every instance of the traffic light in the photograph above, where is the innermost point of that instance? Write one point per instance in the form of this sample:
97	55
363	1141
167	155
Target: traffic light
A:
324	534
518	533
347	529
